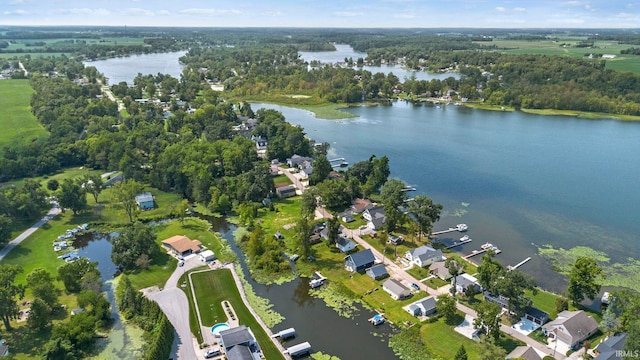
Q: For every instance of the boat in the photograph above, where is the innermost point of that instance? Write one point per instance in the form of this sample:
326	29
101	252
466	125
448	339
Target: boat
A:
462	227
408	188
487	246
377	319
606	298
314	283
464	238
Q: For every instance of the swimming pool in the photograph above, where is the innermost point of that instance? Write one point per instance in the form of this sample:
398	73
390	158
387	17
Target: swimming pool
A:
215	329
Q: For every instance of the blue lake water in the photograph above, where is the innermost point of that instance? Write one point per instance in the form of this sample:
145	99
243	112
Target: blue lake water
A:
127	68
526	180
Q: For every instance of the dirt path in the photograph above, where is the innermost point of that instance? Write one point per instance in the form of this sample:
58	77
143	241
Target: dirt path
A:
13	243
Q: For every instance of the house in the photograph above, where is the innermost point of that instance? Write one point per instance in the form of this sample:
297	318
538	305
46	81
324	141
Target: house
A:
145	201
570	328
377	272
395	240
347	217
207	255
239	343
345	245
463	281
610	348
111	178
286	191
395	288
375	217
524	352
4	349
422	307
360	205
424	255
360	261
532	314
296	160
181	245
439	270
261	143
306	171
77	311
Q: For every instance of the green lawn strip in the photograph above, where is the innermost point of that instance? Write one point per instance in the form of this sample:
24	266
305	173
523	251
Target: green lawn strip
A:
17	123
211	289
281	179
544	301
328	111
581	114
112	213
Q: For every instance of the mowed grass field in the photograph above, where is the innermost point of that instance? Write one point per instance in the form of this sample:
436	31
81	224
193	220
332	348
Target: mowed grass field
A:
17	123
566	47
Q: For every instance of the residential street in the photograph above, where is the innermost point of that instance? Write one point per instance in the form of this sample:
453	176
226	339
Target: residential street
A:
13	243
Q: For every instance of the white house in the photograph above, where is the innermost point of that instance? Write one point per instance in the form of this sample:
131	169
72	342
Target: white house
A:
424	256
570	328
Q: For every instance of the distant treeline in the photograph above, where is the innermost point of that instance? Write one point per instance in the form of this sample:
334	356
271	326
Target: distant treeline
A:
630	51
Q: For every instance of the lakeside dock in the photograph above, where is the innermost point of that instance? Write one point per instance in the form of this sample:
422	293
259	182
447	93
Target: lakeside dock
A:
509	267
482	251
458	243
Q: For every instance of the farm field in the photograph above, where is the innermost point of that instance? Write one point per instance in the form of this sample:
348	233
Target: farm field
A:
18	125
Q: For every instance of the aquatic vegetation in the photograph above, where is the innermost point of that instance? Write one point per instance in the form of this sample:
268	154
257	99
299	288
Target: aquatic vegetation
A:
407	344
262	306
336	298
320	356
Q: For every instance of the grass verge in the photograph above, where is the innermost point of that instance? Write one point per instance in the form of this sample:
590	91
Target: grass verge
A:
18	125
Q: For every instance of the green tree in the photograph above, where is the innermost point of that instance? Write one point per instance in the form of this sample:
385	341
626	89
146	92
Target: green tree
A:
424	213
333	231
383	240
321	170
72	196
584	279
71	274
610	322
455	269
39	318
512	285
125	193
461	354
43	287
489	350
181	209
446	306
93	185
488	319
9	291
304	230
6	224
59	349
53	184
309	203
393	197
489	272
632	343
562	304
134	242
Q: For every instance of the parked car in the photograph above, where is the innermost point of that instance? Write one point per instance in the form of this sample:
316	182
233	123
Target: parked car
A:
181	263
415	287
211	353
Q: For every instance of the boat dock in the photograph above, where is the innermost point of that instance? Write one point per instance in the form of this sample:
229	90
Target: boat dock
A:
300	349
320	277
458	243
459	227
518	264
285	334
338	162
482	251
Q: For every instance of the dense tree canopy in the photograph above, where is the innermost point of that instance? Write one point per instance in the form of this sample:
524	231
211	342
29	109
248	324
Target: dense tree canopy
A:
584	279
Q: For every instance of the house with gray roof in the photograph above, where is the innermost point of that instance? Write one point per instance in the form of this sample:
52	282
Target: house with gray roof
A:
377	272
422	307
424	255
395	288
464	281
375	217
296	160
145	201
345	245
570	328
524	352
239	343
610	348
360	261
438	269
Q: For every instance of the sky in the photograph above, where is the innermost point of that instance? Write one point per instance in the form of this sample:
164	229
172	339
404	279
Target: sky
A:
326	13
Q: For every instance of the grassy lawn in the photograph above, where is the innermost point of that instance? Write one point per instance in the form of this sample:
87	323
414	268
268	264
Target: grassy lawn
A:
544	301
113	214
17	123
212	288
581	114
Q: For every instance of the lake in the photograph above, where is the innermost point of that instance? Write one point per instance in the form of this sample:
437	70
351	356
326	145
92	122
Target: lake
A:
127	68
519	181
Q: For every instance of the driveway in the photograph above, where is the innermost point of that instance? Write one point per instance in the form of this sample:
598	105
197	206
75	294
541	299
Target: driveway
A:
175	305
13	243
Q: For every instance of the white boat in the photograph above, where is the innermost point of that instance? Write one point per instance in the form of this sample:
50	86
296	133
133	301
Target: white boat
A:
377	319
487	246
314	283
462	227
606	297
464	238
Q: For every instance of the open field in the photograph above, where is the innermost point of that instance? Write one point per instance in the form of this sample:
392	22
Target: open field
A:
212	287
18	125
566	47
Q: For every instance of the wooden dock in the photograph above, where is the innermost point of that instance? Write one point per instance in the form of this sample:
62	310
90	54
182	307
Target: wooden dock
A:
518	264
482	251
443	231
458	243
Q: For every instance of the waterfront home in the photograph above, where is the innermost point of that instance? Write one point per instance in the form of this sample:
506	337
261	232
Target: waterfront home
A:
395	288
464	281
261	143
286	191
524	352
532	314
570	328
181	245
306	171
424	255
360	261
345	245
422	307
346	217
359	205
377	272
611	347
145	201
296	160
439	270
375	217
239	343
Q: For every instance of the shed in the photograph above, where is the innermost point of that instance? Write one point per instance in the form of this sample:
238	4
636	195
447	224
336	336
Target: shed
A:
377	272
300	349
207	255
287	333
395	288
145	201
286	191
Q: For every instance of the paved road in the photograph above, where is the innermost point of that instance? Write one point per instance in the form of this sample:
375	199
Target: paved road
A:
296	182
13	243
175	305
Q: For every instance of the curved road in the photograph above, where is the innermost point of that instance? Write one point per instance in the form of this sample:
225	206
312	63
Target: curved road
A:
13	243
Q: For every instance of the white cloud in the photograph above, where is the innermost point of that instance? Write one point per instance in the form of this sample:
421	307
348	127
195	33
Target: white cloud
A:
137	12
500	8
208	12
16	2
404	16
272	13
17	12
84	11
163	12
519	9
347	13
